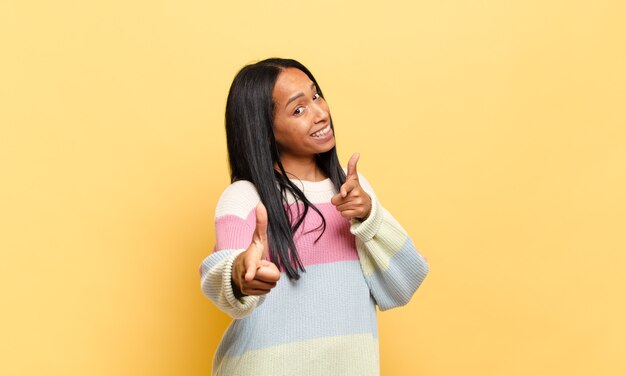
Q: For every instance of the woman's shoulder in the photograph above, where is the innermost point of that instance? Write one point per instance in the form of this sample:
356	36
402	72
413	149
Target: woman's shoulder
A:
238	199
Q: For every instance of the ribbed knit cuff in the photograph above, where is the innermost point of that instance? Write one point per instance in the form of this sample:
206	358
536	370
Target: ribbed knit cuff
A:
245	303
368	228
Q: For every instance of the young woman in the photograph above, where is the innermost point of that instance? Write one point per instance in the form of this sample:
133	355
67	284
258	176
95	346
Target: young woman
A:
304	250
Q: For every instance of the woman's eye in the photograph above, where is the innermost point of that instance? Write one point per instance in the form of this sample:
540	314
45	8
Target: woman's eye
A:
316	96
298	110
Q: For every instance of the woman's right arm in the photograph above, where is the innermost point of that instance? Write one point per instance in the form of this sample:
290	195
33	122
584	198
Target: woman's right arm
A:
235	223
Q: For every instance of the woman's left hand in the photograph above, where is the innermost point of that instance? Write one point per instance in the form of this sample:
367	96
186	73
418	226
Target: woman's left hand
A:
352	201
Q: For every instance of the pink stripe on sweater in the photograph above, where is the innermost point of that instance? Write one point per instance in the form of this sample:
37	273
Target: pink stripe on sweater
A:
336	244
233	232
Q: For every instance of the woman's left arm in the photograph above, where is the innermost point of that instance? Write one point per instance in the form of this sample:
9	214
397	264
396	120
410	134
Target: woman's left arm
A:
392	267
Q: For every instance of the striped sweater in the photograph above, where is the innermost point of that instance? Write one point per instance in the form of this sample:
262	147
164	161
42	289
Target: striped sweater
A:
325	322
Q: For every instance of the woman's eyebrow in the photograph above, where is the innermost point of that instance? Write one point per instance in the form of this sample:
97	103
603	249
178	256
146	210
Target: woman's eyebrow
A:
300	94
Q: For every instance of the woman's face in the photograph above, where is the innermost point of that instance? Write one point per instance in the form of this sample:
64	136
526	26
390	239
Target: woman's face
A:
301	116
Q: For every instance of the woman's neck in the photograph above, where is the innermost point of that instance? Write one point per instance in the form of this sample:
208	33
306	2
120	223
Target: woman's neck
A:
302	169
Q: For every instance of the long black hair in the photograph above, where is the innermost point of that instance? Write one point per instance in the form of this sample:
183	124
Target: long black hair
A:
253	153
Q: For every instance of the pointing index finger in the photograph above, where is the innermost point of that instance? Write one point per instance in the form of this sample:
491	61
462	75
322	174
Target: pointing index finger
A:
347	187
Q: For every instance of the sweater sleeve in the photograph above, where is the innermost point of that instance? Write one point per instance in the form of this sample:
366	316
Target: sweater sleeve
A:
392	266
234	226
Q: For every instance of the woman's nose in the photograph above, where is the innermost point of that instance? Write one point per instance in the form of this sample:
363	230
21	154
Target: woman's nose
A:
321	113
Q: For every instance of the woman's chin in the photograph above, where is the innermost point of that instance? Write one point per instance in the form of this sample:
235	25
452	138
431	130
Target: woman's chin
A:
328	146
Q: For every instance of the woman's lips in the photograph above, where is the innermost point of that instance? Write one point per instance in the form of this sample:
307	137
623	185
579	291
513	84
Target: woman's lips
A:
322	132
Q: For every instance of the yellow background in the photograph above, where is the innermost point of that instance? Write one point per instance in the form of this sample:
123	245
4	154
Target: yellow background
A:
494	131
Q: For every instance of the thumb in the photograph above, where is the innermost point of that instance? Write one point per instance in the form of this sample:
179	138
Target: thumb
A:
260	232
251	268
352	166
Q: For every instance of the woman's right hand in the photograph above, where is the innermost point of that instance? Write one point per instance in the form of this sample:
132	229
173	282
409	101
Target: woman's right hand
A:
252	274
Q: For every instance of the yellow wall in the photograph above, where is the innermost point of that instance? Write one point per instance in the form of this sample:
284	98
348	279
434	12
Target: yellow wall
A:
495	131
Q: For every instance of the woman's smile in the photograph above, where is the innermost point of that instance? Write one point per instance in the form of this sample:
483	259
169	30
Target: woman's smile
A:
323	134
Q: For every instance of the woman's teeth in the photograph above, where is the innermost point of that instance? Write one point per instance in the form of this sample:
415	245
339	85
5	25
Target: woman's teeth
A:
322	132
